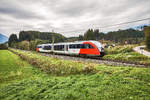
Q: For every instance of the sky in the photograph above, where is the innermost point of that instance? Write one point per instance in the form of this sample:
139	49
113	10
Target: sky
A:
70	17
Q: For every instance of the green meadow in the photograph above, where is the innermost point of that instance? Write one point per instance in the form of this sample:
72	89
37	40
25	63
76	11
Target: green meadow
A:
31	76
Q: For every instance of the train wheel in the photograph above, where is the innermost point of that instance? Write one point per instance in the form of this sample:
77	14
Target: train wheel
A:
83	55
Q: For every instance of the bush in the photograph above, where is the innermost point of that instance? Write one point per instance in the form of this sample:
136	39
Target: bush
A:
89	69
26	45
33	44
3	46
14	44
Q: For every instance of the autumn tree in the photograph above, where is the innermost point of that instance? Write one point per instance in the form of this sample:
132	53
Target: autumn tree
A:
147	36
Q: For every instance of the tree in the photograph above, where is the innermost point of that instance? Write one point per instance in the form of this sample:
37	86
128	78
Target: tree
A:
33	44
147	36
89	35
12	38
33	35
3	46
24	45
81	37
96	33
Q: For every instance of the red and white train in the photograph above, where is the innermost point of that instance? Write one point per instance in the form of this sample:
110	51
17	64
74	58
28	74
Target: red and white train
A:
81	48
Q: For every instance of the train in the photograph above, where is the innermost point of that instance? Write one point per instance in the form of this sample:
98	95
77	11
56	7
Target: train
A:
79	48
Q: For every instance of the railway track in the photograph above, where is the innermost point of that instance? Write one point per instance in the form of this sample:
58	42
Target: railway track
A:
95	60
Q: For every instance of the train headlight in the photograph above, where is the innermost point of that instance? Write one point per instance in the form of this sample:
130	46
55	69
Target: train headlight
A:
102	49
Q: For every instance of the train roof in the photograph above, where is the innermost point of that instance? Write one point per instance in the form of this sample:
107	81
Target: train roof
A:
43	44
95	42
78	42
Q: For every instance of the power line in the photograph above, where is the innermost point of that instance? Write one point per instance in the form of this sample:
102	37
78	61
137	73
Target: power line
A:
126	22
110	25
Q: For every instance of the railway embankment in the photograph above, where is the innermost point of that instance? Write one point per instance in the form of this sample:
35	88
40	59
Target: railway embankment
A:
107	60
126	54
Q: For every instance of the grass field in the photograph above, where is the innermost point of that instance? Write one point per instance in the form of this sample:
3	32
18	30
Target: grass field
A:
12	68
20	80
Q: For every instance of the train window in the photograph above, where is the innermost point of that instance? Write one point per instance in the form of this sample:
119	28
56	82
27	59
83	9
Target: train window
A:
82	46
39	46
74	46
71	46
55	47
86	46
59	47
47	47
62	47
78	46
90	46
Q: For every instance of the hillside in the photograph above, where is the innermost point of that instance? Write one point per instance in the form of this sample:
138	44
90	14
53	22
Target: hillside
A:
3	38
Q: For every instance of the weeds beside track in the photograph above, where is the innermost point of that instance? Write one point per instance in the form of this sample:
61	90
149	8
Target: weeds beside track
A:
97	60
54	65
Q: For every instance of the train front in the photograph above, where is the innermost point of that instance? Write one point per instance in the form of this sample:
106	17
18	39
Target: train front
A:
99	47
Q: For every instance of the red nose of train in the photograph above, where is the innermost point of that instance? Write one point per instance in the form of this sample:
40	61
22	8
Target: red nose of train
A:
37	49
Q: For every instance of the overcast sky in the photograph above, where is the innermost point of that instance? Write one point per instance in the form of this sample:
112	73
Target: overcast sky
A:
66	16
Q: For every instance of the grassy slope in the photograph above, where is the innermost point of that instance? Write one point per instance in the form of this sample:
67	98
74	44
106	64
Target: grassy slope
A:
125	53
109	83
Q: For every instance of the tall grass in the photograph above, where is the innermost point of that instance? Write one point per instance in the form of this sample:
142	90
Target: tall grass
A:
56	66
120	49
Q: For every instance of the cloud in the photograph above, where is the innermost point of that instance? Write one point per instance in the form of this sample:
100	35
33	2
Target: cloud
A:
16	10
70	17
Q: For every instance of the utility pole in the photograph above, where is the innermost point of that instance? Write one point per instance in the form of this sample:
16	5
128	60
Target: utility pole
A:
53	39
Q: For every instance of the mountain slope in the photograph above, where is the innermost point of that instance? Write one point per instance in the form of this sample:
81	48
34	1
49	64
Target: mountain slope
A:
3	38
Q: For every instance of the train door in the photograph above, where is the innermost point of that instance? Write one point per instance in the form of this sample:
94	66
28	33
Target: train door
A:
66	49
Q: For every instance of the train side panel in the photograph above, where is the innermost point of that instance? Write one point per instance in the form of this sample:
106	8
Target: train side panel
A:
74	51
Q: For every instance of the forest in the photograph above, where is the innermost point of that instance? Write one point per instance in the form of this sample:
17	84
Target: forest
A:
132	36
28	40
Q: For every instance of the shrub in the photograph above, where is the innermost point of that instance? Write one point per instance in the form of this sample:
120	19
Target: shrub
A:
26	45
89	69
3	46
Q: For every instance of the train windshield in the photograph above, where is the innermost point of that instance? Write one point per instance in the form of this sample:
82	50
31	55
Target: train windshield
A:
99	46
